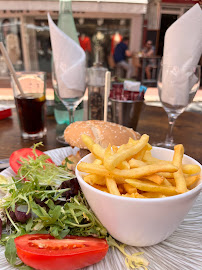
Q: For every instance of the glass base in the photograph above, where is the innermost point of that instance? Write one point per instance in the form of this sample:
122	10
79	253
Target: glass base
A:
61	139
168	145
28	136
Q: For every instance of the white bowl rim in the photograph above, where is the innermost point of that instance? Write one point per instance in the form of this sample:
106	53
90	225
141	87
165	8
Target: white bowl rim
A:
151	200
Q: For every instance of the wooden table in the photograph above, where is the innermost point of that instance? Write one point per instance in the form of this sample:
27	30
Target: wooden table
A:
153	121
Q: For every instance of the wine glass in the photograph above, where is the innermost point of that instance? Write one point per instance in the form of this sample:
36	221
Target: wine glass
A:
71	98
177	86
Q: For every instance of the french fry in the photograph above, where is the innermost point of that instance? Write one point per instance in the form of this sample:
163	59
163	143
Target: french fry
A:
141	153
134	163
98	151
88	141
186	168
172	181
114	148
155	178
153	195
149	159
87	179
132	173
108	152
101	188
143	171
97	161
191	169
190	180
149	147
93	168
151	187
166	182
111	162
119	180
123	147
124	165
134	195
132	141
94	148
166	174
112	186
181	186
129	189
139	196
95	179
120	188
180	182
129	195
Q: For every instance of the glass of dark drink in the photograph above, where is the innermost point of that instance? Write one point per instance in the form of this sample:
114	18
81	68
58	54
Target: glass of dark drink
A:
30	105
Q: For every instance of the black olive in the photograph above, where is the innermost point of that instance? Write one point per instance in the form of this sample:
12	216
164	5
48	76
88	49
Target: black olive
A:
73	186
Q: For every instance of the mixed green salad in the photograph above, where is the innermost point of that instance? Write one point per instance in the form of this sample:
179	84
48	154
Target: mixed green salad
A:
45	199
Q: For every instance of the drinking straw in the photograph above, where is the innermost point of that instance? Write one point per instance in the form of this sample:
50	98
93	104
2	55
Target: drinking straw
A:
107	89
11	68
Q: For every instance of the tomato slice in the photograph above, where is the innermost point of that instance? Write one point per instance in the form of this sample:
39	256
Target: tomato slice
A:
44	252
23	153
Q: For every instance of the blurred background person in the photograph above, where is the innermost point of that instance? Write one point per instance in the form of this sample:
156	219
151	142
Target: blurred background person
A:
121	53
148	51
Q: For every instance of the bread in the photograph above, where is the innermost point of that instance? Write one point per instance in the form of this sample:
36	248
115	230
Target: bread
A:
101	132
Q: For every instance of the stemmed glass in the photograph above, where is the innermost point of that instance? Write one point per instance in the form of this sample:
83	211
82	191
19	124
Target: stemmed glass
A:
71	98
177	87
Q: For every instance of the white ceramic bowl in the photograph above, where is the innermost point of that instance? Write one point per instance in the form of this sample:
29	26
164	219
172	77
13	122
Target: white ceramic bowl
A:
140	222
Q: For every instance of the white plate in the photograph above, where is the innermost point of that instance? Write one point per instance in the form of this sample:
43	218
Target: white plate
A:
182	250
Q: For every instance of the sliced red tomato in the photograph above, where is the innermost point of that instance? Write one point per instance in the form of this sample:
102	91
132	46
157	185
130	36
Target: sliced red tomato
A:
16	156
44	252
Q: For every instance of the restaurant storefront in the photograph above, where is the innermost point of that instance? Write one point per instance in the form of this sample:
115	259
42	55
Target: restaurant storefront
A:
102	24
160	15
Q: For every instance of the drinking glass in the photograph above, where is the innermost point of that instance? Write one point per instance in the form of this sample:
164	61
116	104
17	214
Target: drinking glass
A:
177	86
31	107
71	98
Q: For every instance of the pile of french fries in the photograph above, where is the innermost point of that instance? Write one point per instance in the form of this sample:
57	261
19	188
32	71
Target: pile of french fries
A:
131	171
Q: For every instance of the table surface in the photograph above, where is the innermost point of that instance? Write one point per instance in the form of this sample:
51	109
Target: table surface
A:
153	121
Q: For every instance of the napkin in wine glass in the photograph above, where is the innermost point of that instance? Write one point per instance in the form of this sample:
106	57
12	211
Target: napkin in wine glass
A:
69	63
182	49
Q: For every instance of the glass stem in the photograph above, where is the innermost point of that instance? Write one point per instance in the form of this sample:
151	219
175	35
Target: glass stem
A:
71	115
171	122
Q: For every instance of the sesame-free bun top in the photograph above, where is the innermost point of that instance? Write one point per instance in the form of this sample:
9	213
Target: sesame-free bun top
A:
101	132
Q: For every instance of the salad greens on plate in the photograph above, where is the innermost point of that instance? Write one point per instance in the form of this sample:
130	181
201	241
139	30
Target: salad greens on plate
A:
43	198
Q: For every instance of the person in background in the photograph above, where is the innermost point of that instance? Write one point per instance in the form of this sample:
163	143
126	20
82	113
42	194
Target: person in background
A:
85	44
121	53
148	51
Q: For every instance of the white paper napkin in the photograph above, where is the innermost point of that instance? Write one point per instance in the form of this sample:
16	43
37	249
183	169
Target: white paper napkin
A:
69	62
131	86
183	48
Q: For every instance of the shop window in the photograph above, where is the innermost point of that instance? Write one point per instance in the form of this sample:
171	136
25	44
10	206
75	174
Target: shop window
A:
10	36
97	37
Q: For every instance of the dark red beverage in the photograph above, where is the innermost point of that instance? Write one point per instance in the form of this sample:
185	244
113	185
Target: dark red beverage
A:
31	113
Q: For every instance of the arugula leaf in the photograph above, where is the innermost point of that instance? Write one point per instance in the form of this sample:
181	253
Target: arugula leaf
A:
10	252
23	267
68	161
